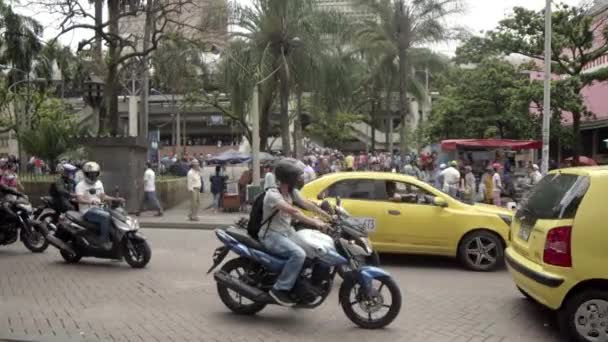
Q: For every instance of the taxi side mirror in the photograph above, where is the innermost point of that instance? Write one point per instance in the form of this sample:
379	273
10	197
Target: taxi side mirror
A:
440	202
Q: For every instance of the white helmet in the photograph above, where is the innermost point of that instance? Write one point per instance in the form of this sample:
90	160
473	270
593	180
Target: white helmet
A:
91	172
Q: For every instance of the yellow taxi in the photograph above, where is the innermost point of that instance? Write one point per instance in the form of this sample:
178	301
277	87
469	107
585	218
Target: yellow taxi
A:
558	255
405	215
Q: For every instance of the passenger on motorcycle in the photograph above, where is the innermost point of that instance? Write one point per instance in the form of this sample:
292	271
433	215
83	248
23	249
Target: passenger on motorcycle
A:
278	235
90	195
62	191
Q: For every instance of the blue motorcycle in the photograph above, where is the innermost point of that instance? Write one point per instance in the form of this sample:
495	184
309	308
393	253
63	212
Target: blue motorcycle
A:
369	296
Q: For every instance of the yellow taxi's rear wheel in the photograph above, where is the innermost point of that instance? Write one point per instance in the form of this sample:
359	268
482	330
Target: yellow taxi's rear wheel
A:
584	317
481	251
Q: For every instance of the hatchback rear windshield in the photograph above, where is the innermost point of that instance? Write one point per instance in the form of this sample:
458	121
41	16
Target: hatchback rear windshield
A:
557	196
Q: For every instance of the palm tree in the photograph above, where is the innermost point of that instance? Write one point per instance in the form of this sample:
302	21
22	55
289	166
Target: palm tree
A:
400	26
21	43
280	30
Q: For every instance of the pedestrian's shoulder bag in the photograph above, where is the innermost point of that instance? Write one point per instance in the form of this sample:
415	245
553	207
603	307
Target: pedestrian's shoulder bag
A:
256	217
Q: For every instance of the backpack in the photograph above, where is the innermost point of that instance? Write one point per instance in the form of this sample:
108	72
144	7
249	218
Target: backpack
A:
256	216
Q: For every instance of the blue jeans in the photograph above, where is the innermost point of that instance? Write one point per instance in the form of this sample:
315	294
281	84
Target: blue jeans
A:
150	197
101	218
216	201
281	246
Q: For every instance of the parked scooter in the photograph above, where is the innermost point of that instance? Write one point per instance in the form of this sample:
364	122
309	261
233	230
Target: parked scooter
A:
77	238
16	221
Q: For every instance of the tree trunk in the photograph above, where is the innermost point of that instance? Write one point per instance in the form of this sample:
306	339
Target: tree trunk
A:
298	136
266	100
389	126
404	102
98	23
145	76
284	99
576	130
403	45
111	87
372	123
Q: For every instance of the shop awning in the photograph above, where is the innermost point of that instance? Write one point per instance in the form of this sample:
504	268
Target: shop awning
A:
454	144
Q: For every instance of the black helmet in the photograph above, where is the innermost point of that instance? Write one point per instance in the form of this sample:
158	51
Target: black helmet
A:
289	171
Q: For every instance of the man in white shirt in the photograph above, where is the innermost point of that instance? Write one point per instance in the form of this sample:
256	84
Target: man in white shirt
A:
496	185
309	172
535	175
195	184
451	179
150	192
90	194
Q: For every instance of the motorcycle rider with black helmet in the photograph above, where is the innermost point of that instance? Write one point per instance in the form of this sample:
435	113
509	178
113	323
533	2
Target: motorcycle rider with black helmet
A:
90	195
278	235
62	191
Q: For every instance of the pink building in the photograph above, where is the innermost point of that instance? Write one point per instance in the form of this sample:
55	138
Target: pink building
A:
594	130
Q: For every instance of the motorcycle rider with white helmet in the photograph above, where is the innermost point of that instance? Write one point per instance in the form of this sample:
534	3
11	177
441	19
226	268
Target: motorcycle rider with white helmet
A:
90	194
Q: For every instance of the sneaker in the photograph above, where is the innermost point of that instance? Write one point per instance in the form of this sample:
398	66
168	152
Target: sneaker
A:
281	297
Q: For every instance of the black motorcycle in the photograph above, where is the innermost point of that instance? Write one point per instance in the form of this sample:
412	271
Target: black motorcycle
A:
77	238
16	221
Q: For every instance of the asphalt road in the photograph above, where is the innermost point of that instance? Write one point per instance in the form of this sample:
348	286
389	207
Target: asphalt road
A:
44	299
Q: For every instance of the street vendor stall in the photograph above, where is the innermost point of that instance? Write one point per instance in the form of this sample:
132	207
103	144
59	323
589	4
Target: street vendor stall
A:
514	155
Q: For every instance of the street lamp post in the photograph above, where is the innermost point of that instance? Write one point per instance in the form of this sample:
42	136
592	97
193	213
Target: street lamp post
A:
547	91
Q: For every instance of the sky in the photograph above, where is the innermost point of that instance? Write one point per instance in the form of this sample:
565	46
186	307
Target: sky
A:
479	15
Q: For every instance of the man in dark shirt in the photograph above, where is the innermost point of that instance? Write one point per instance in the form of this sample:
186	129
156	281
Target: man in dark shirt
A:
62	191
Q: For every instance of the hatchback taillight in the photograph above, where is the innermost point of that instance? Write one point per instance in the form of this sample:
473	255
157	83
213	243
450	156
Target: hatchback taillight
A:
558	247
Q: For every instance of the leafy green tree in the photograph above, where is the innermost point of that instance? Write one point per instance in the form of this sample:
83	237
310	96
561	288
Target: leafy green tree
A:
574	45
401	26
495	94
52	133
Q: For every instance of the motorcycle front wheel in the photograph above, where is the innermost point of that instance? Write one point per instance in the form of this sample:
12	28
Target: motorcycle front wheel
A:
137	253
238	268
34	240
371	311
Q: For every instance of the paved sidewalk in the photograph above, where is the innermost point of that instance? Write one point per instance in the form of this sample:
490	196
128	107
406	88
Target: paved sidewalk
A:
177	217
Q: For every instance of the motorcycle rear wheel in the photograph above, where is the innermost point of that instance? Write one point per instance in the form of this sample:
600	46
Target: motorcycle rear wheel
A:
239	268
69	257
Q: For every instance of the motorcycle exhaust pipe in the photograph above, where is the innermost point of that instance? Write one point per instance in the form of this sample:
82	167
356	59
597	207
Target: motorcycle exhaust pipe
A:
241	288
59	244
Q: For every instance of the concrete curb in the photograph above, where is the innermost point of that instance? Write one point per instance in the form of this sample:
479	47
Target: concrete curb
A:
183	225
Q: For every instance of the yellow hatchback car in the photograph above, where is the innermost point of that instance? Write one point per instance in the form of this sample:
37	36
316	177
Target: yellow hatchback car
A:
405	215
558	254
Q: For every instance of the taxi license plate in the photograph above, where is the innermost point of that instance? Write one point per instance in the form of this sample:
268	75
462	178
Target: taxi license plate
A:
524	232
